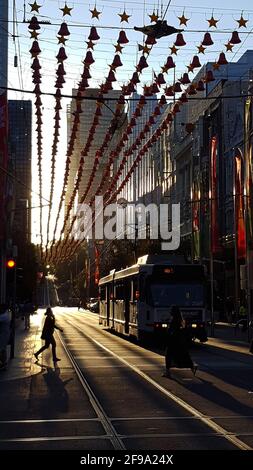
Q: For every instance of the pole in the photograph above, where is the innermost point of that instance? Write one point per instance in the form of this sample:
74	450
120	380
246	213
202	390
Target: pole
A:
13	314
235	246
210	235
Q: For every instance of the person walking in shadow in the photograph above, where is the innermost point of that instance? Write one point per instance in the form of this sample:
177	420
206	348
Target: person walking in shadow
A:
48	334
176	352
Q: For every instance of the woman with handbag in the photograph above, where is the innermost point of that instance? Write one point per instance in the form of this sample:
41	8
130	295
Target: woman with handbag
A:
48	334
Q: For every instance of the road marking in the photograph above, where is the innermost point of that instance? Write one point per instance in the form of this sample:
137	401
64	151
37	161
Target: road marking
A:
190	409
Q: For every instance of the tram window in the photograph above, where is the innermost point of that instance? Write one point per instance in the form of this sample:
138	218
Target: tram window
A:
119	291
102	293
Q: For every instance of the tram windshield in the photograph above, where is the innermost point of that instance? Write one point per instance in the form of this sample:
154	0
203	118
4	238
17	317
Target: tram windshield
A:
184	295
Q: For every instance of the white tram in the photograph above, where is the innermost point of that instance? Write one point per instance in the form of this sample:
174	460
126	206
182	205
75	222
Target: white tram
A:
136	301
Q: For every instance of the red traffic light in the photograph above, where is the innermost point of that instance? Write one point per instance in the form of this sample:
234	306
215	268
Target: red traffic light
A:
11	263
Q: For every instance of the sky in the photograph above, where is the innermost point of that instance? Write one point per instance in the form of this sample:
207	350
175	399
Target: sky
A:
108	26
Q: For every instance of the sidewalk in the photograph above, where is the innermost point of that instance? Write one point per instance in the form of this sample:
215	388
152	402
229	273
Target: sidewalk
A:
26	343
229	338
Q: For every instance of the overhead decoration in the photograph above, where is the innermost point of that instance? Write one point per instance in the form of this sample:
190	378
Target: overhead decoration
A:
242	22
229	47
35	7
95	13
212	22
66	10
183	20
124	17
158	30
153	17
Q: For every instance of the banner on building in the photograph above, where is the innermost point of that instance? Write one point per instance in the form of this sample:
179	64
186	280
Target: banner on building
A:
240	234
3	157
248	171
196	216
214	228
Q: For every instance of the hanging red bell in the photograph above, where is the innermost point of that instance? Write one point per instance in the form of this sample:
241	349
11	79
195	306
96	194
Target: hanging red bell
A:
162	101
209	76
169	91
61	56
84	84
122	38
133	122
63	31
170	63
154	88
35	49
200	86
131	88
60	71
169	118
34	24
142	63
93	34
150	41
151	120
235	38
160	79
36	74
157	111
195	62
146	128
58	106
185	79
116	61
36	64
86	73
147	90
142	101
111	76
183	98
191	90
177	87
175	109
38	101
207	41
137	112
37	90
222	59
88	58
135	78
180	40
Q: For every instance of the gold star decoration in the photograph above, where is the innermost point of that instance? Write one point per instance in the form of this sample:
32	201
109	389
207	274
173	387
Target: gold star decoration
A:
174	49
95	13
90	45
66	10
190	68
165	69
118	48
242	22
34	35
229	47
35	7
212	22
201	49
216	66
124	16
183	19
153	17
61	40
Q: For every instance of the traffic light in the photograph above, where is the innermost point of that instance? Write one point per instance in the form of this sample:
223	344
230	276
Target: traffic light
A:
11	263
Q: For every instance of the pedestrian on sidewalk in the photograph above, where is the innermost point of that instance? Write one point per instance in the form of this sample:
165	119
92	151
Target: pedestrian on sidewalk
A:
177	344
28	310
48	334
5	332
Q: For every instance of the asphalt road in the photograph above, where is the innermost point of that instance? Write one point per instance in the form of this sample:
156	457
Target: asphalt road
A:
109	393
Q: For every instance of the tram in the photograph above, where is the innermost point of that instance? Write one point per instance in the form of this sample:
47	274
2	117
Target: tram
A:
136	301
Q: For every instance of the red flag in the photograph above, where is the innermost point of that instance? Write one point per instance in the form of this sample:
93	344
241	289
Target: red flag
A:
215	243
239	208
3	156
97	274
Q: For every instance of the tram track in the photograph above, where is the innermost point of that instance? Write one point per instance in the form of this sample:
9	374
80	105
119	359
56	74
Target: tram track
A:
195	413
